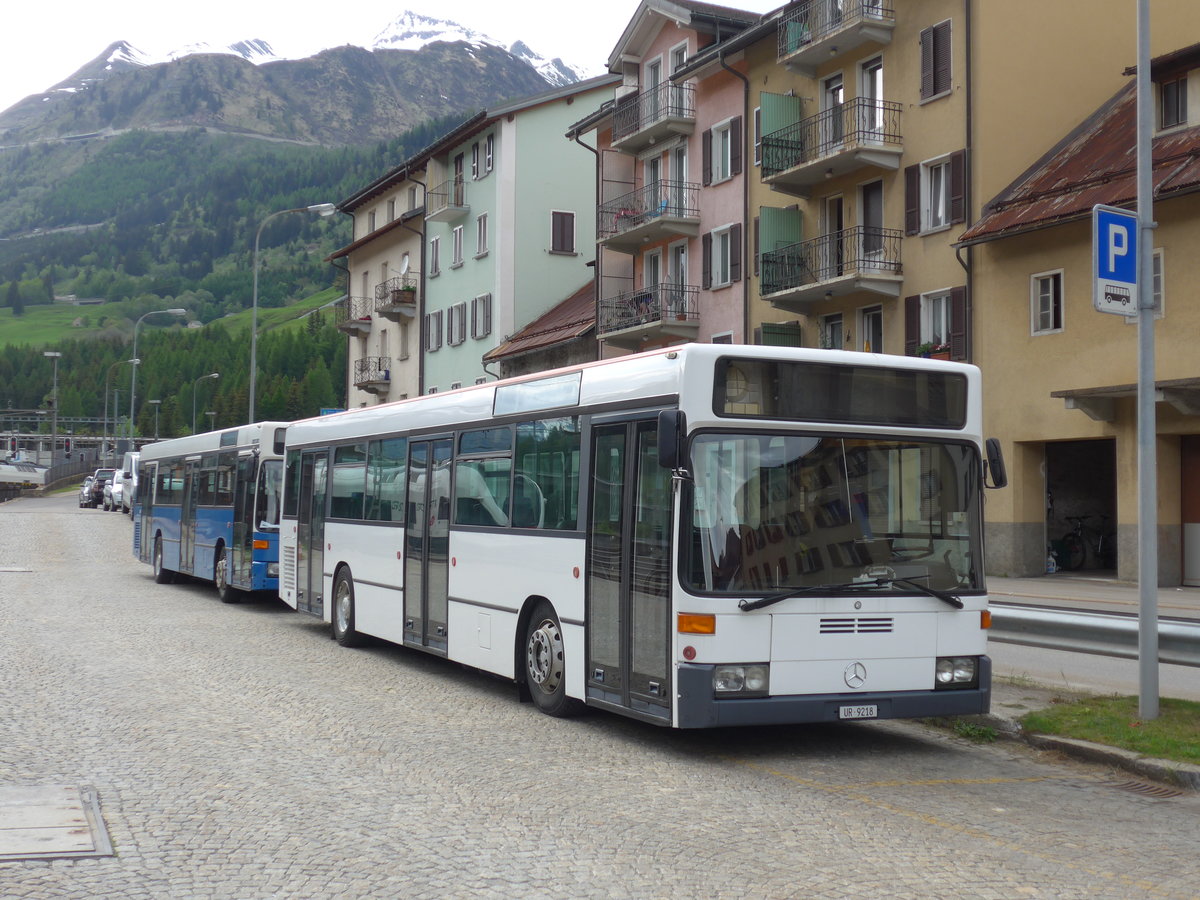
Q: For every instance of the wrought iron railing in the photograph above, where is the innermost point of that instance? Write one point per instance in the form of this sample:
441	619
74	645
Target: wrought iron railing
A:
452	192
370	369
638	112
678	199
817	19
350	309
852	251
399	291
649	305
851	124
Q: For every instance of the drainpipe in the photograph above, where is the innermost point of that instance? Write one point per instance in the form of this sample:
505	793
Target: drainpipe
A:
748	223
420	315
969	167
346	269
599	253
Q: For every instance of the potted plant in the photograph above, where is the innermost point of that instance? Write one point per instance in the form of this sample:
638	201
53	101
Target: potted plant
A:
940	351
925	349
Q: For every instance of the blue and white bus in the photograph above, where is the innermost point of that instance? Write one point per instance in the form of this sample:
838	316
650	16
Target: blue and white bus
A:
699	536
208	506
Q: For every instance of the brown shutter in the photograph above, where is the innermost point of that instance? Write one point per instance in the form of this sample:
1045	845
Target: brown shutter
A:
927	64
735	146
706	156
958	323
735	252
958	186
912	200
912	324
941	57
706	261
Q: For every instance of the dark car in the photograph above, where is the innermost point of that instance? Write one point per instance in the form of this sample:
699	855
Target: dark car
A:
100	478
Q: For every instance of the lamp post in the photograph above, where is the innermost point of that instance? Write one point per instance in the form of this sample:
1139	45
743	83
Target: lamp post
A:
108	375
324	210
156	404
133	376
212	419
54	355
194	384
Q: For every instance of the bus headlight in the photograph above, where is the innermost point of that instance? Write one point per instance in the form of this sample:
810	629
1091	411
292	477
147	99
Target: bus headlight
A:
745	681
956	672
272	570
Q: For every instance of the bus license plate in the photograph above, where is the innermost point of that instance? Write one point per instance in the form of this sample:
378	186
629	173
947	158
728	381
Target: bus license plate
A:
870	711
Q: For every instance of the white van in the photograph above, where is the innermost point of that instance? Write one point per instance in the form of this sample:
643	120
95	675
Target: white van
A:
128	477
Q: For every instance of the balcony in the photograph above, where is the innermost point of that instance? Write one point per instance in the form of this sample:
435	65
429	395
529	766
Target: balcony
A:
396	298
852	261
373	374
448	201
852	135
659	211
353	315
818	30
642	120
655	312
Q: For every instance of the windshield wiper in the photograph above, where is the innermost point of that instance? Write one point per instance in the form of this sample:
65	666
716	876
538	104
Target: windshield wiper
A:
747	605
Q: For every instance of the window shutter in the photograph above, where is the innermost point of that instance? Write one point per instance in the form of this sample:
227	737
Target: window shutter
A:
706	261
941	58
735	252
958	187
958	323
780	334
757	242
735	146
912	199
926	63
706	156
912	324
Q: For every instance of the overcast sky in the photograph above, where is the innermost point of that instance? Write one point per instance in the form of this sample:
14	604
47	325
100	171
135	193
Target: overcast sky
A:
45	42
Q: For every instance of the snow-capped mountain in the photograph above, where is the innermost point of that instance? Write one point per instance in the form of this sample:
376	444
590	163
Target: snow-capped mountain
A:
256	51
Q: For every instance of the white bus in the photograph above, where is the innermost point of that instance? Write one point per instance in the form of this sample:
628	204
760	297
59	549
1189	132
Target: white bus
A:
699	536
208	505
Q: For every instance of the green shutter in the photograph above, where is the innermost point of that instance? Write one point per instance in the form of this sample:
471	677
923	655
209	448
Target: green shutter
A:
781	334
778	111
779	228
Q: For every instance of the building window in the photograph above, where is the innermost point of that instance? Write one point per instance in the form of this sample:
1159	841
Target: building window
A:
935	61
456	325
370	221
475	160
1046	302
1172	103
562	232
758	136
935	208
722	250
391	210
481	236
725	337
831	335
1157	288
456	256
489	145
435	256
721	151
935	194
433	331
481	316
935	320
482	379
403	340
455	385
412	197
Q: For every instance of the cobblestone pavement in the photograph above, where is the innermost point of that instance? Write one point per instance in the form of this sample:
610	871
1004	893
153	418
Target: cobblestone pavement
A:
238	752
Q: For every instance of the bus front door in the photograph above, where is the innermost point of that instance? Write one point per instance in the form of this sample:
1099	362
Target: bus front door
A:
187	515
310	534
243	523
427	543
629	597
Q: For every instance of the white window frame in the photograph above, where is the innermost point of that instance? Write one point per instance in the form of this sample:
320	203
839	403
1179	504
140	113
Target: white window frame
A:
572	250
722	245
370	221
456	254
1036	294
825	324
722	151
435	256
391	210
412	197
481	316
756	124
475	170
455	385
935	190
481	235
489	152
1158	287
433	331
935	317
456	324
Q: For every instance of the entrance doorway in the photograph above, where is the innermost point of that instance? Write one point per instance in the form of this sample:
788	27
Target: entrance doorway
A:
1081	481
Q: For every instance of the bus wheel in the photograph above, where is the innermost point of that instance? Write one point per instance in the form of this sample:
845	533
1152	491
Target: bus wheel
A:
225	591
545	664
343	611
161	575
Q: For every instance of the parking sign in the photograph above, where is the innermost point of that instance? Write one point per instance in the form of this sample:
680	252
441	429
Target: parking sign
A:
1114	260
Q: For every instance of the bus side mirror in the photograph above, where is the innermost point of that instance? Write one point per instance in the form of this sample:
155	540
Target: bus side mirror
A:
280	433
672	432
994	465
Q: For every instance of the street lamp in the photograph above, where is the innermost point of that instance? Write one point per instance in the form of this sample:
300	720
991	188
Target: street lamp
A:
194	384
133	375
108	375
54	355
156	404
324	210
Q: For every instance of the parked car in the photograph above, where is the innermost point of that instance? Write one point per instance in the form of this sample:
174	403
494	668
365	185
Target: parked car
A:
113	492
100	478
85	492
129	479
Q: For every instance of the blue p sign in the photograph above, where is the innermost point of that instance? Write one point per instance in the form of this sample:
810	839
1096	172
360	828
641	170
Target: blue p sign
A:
1114	253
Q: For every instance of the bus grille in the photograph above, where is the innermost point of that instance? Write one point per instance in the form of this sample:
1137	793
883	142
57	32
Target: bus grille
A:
289	569
856	625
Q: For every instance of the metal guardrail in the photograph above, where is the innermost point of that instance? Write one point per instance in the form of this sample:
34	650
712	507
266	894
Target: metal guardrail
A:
1103	634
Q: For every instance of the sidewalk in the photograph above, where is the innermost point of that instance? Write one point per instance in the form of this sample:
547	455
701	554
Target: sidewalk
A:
1094	593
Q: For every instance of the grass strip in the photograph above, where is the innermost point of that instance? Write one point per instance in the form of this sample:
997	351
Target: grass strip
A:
1114	721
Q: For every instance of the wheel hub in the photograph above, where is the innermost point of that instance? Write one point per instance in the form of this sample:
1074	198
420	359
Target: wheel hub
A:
545	656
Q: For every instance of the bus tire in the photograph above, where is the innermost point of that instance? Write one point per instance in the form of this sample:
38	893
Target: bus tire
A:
225	591
545	664
343	610
161	575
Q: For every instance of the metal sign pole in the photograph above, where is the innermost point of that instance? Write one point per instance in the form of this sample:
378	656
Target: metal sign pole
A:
1146	429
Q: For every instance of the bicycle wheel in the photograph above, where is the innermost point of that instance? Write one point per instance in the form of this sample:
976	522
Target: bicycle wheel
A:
1074	551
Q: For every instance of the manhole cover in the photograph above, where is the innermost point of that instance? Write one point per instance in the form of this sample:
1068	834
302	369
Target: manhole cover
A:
55	822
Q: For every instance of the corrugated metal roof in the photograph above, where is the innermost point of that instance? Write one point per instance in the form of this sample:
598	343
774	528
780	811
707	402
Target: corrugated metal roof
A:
570	319
1094	164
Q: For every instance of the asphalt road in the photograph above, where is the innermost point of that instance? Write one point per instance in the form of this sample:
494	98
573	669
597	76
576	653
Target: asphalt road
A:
238	752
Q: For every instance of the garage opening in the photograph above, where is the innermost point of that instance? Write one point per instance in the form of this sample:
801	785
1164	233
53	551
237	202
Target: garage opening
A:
1081	504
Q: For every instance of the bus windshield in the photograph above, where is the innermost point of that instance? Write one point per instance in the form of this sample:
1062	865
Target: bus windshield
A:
270	486
771	511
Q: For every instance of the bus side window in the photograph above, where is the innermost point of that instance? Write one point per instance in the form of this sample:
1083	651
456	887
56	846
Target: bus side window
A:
546	487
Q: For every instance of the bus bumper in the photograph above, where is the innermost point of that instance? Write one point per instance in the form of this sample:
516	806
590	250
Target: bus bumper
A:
698	708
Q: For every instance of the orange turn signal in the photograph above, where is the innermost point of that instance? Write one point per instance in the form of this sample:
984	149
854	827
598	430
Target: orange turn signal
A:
697	623
985	618
261	545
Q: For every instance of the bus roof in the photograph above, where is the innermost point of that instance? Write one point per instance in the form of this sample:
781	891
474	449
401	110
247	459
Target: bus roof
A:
260	434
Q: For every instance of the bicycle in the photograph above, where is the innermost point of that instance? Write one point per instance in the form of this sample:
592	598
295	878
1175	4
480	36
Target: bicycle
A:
1081	539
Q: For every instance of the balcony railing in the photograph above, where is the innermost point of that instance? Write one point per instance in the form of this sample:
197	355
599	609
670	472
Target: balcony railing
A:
447	201
396	298
644	118
660	209
353	314
854	259
814	30
373	374
848	128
